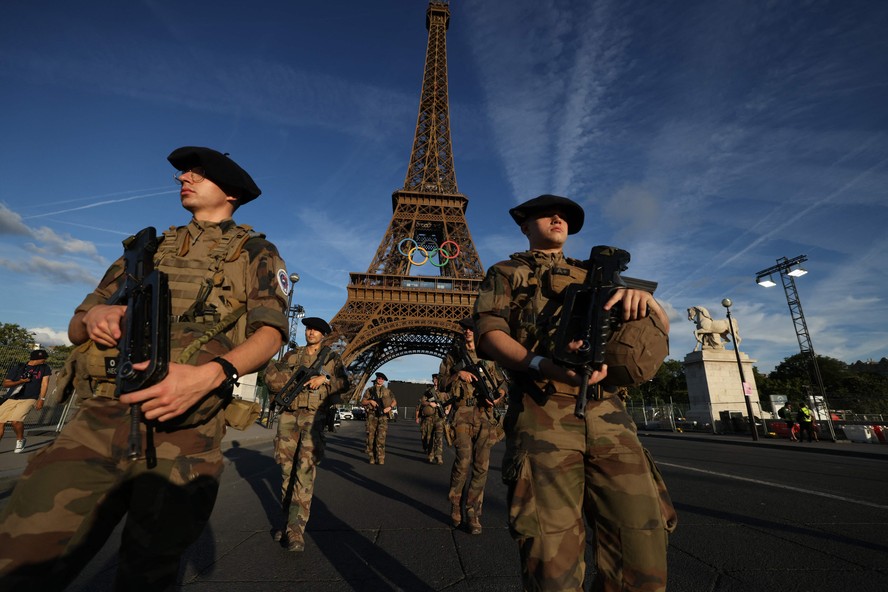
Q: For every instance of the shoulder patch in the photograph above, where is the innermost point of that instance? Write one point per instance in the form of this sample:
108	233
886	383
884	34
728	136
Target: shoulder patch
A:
284	281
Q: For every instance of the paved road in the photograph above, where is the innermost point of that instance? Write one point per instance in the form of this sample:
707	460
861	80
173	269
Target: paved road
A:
765	516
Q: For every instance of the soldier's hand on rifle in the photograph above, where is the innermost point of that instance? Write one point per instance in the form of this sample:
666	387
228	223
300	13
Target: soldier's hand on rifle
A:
182	388
467	376
637	304
576	379
315	382
101	323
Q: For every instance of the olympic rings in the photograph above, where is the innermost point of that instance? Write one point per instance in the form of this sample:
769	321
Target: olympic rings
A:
443	254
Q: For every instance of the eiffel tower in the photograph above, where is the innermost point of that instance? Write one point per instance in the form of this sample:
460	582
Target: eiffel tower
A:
426	273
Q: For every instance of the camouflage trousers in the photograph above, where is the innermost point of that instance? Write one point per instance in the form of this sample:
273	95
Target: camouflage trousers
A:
558	466
307	426
475	436
75	491
377	428
432	430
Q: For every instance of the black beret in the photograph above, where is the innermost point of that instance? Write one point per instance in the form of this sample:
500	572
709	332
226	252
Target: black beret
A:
573	213
382	376
318	324
39	354
467	323
435	375
220	169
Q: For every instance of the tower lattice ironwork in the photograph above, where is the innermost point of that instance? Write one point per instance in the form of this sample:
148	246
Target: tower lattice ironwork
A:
426	272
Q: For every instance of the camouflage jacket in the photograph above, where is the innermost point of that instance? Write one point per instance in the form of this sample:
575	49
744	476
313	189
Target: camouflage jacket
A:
522	297
248	288
382	395
459	388
278	373
424	407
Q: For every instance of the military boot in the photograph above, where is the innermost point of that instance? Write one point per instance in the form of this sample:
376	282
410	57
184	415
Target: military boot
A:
474	522
455	514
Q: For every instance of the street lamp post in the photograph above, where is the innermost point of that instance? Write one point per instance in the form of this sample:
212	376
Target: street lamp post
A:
294	313
746	390
789	269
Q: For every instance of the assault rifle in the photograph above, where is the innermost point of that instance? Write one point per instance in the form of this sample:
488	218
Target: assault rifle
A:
485	386
146	330
434	399
296	384
585	327
378	410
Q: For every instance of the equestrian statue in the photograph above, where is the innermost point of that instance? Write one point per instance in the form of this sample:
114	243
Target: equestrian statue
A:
711	333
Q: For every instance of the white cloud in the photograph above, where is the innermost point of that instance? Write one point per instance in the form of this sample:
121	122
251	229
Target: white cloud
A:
65	244
11	222
56	271
47	336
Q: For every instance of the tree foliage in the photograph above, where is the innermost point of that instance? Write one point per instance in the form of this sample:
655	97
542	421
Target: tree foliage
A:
15	336
16	344
860	388
669	384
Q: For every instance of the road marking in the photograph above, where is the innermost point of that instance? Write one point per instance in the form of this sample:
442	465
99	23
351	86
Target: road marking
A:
777	485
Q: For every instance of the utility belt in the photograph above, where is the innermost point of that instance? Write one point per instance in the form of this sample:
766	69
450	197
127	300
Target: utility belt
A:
295	410
553	387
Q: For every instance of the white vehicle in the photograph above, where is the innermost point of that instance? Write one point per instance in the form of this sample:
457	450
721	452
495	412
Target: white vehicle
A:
346	414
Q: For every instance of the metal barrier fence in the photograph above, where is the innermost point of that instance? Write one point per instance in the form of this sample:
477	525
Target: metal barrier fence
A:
54	413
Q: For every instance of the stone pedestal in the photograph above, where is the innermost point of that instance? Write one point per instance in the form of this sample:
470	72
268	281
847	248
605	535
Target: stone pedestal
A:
715	390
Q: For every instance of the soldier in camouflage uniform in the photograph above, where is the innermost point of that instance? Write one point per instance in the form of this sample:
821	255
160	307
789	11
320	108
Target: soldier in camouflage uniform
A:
228	285
557	465
379	402
301	426
430	417
474	426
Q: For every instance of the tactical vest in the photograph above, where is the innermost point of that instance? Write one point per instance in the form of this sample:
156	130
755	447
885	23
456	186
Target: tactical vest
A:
538	302
464	391
635	350
307	399
382	396
428	410
208	298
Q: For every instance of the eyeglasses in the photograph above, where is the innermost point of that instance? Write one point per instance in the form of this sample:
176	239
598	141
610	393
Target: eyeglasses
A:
198	174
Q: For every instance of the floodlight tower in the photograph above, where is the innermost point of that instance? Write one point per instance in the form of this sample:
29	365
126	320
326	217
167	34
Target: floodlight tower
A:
789	269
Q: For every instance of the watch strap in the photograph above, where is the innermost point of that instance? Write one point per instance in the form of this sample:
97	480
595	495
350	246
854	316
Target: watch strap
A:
231	373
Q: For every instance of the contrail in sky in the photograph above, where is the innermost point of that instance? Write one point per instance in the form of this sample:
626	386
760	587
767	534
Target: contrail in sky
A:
99	203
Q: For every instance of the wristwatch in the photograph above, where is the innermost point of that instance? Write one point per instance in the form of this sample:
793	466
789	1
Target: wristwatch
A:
533	368
231	373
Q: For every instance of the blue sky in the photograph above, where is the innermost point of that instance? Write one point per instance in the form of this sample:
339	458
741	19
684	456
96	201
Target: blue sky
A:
708	139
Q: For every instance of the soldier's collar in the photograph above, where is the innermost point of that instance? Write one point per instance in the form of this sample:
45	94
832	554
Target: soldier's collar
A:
542	257
197	226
